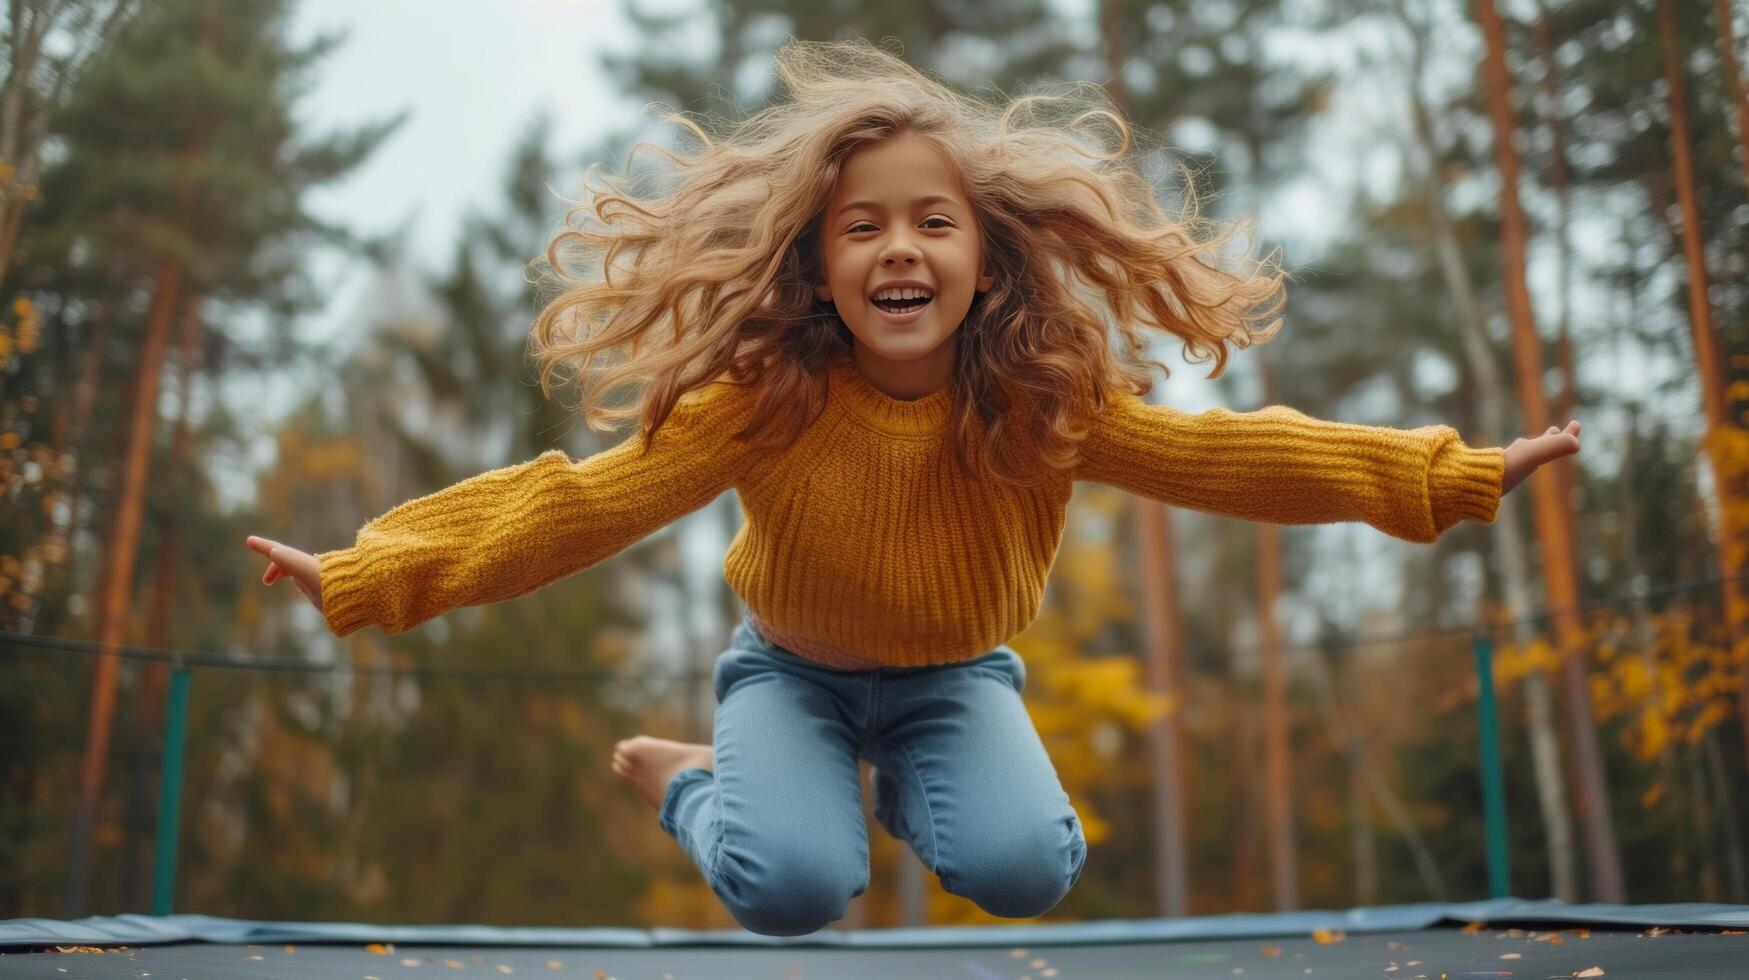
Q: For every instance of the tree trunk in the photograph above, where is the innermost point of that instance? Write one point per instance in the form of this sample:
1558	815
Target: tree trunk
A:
1728	818
1734	79
24	116
1509	543
1727	473
1159	600
1242	790
1362	839
1703	819
1366	778
1566	400
1560	576
1111	32
155	675
28	25
1160	621
1277	754
119	557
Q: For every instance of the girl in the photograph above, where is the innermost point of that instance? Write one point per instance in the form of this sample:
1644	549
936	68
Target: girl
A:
884	313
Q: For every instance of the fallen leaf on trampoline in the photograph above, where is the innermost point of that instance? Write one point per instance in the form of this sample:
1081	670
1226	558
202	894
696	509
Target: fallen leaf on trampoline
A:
1472	928
555	965
1271	951
80	949
1511	956
1325	936
1596	971
454	964
380	949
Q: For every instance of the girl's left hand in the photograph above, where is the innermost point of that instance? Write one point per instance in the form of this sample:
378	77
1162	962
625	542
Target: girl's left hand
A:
1525	455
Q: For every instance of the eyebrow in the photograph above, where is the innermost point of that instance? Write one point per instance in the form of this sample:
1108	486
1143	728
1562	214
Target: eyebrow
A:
872	206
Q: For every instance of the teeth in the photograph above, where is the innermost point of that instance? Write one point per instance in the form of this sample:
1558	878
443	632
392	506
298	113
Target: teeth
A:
908	292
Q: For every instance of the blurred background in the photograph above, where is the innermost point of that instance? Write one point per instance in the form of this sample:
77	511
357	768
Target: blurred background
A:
262	271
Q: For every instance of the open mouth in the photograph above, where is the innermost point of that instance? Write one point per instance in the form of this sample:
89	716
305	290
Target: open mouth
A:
909	299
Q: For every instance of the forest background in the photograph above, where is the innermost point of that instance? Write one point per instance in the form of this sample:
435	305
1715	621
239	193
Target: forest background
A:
1498	216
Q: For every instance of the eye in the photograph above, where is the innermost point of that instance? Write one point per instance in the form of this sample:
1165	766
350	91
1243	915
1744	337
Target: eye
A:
860	226
945	223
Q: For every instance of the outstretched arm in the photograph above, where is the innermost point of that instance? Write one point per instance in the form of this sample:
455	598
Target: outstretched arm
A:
509	531
1279	466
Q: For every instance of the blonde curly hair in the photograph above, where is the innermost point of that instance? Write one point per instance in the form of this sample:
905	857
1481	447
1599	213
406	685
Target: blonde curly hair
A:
712	277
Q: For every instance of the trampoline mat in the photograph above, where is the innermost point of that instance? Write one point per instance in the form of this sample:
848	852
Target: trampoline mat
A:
1426	953
1502	938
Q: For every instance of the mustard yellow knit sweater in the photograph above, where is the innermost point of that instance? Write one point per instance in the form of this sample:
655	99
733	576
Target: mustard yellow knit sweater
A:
863	544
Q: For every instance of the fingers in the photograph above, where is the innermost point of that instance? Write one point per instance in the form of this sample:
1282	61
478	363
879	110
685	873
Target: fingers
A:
1567	439
267	549
264	547
283	561
290	561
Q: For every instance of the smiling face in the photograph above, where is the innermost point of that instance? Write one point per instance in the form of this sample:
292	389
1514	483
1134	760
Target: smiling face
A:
903	258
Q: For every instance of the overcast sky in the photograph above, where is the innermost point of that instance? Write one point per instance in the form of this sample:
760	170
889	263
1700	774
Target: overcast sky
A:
471	74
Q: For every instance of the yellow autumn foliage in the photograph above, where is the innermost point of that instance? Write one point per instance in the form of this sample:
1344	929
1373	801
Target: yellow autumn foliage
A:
1669	678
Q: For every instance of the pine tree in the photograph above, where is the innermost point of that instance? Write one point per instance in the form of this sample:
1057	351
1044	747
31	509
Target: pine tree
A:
183	176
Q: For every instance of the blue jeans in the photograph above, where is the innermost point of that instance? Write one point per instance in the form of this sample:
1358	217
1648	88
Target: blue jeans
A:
961	776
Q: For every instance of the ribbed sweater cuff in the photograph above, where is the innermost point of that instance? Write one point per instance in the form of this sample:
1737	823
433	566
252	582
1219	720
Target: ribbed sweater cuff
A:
345	593
1465	484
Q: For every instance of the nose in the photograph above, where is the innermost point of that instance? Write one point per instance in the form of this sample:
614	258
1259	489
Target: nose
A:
900	251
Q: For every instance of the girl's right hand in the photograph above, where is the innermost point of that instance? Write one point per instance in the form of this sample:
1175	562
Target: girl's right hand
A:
285	561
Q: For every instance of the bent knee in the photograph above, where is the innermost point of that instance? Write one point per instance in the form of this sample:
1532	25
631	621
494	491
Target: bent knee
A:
1023	881
787	899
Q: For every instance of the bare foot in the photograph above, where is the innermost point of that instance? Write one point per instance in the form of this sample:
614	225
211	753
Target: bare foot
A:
649	763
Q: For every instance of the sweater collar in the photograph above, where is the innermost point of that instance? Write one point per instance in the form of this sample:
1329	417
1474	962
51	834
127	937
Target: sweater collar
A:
921	416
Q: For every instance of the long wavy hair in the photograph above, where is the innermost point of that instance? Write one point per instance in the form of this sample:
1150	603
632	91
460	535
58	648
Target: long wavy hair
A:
709	274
